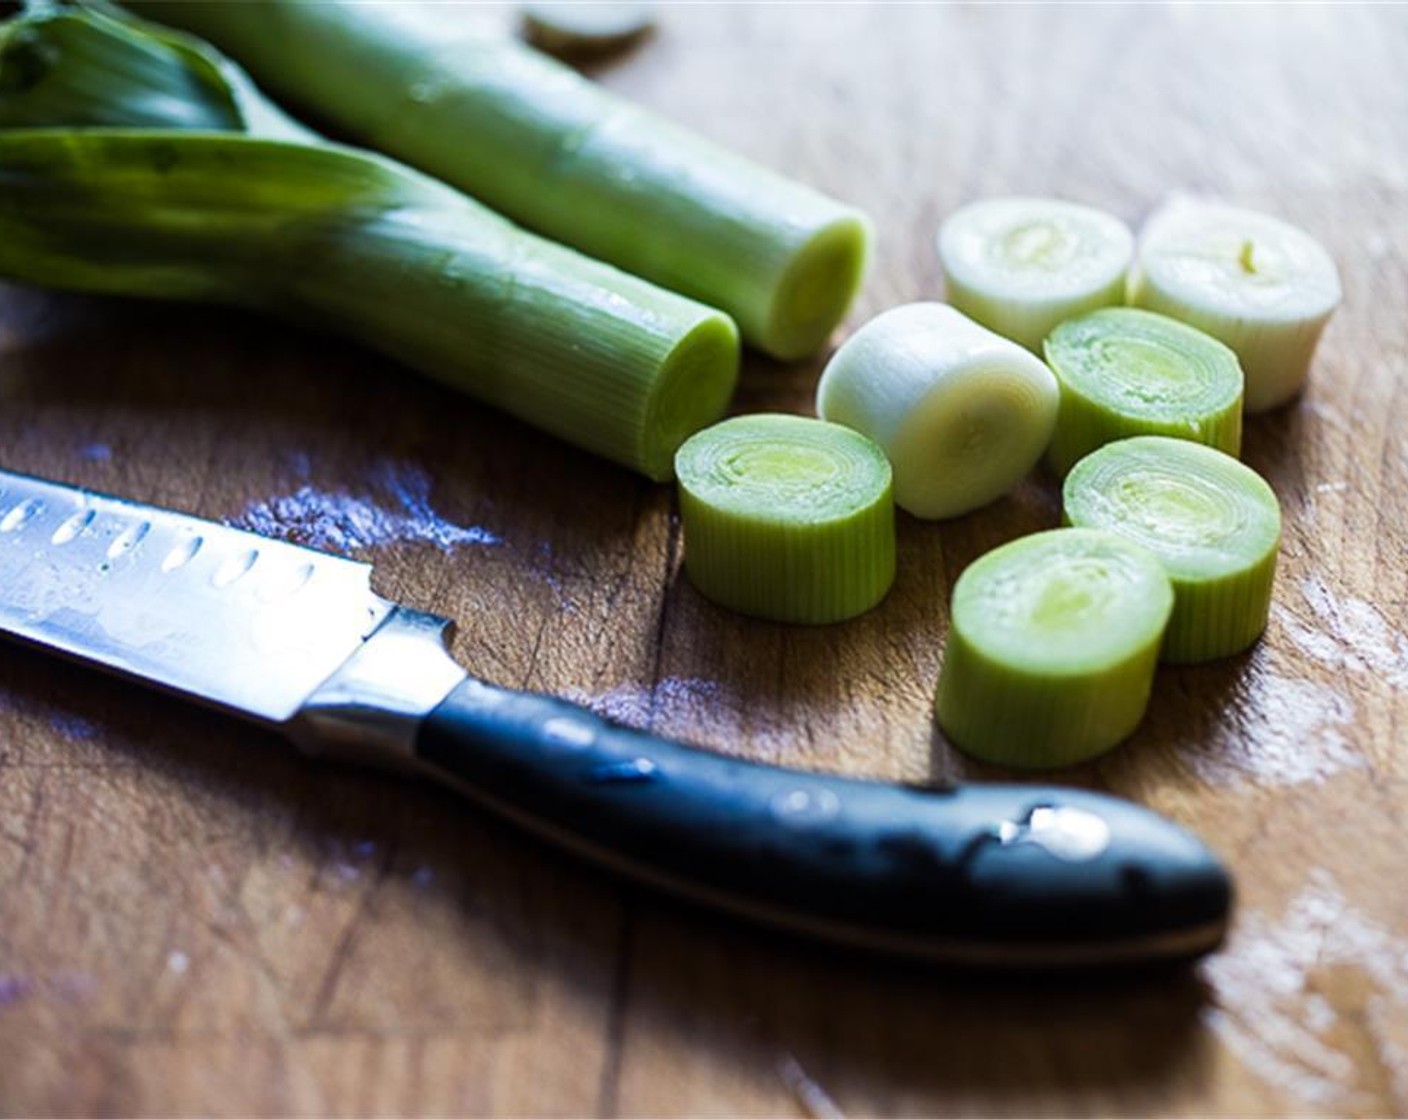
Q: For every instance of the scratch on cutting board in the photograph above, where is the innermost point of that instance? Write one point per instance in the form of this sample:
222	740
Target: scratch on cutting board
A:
1350	635
1270	1011
698	703
70	987
1289	731
815	1102
73	727
1294	729
545	564
636	705
395	510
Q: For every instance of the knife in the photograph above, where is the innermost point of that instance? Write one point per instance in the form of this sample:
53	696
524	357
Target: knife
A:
296	640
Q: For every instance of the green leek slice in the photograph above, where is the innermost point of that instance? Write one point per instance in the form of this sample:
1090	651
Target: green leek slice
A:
1126	372
1019	266
787	518
1262	286
1213	522
961	413
1052	647
546	147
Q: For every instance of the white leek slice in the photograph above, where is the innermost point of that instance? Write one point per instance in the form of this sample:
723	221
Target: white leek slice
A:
1022	265
1262	286
1214	524
1126	372
962	413
569	28
1052	646
787	518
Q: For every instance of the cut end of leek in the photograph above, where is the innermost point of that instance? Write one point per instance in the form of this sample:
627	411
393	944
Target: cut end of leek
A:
692	390
1214	524
557	153
1052	647
1263	287
1125	372
1019	266
817	289
574	29
787	518
962	414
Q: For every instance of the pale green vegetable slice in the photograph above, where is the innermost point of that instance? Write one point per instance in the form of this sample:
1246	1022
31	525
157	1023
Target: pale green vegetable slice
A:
334	237
787	518
1262	286
1022	265
1052	646
546	147
1126	372
961	413
569	28
1214	524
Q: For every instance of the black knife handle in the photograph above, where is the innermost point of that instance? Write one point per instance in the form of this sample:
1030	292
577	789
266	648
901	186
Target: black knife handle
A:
1000	874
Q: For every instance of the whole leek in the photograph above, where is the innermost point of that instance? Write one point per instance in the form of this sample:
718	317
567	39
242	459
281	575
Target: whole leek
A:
333	236
541	144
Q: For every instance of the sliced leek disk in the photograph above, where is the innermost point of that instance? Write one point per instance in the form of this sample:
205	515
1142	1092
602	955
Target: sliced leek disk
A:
570	30
1263	287
1052	647
962	413
787	518
1214	524
1126	372
1021	265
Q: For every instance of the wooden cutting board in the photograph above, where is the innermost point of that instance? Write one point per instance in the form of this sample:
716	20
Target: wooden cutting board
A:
195	919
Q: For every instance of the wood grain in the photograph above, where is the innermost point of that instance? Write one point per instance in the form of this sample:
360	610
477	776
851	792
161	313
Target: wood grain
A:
193	919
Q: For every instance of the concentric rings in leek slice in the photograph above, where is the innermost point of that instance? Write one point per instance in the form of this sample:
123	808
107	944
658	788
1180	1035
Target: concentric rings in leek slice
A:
787	518
1213	522
1052	647
1125	372
1019	266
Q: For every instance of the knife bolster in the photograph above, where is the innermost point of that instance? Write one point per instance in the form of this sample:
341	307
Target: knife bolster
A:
371	709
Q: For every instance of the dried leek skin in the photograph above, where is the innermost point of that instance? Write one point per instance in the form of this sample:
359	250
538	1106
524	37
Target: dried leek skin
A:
332	236
787	518
544	146
1214	524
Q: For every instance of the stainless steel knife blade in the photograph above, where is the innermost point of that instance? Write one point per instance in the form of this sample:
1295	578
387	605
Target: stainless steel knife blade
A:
224	616
1008	875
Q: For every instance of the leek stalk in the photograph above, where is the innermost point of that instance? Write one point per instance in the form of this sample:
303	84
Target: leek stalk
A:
544	146
336	237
